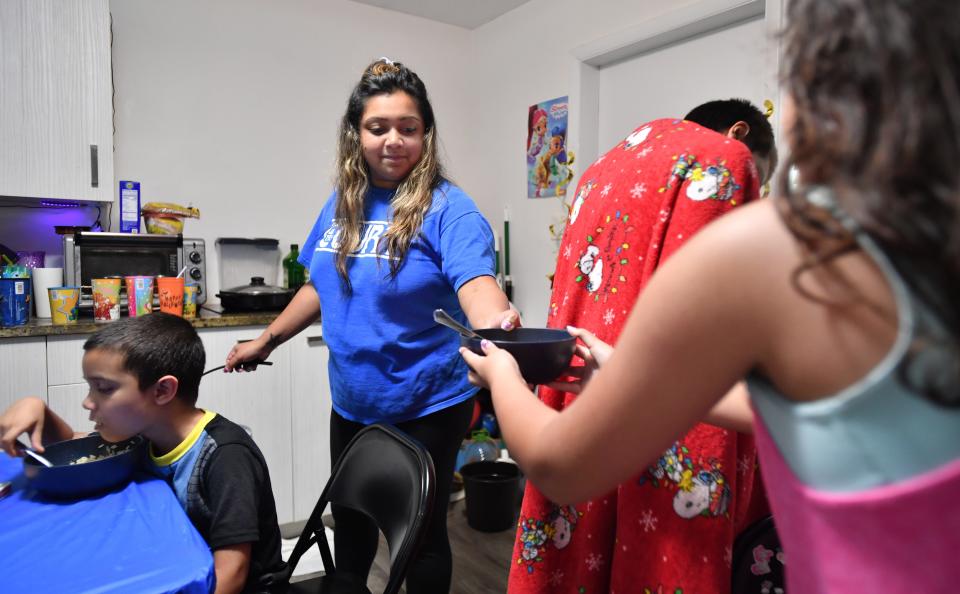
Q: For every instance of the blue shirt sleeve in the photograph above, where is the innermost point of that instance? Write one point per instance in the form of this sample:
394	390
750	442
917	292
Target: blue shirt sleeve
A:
466	241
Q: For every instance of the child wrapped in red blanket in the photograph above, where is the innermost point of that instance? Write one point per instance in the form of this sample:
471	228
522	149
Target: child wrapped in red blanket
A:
670	529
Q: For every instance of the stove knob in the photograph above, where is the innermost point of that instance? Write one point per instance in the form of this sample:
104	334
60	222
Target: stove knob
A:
195	273
195	257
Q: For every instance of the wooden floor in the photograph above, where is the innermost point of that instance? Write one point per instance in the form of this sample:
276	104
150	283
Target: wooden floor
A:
481	560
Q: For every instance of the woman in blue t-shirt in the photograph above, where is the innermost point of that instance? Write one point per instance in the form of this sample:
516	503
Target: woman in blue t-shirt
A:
395	241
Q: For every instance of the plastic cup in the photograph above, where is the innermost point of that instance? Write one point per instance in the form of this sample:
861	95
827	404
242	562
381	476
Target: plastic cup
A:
190	300
14	301
139	295
43	279
64	304
106	299
170	290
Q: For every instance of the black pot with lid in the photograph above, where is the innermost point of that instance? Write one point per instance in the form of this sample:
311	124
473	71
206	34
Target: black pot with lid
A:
257	296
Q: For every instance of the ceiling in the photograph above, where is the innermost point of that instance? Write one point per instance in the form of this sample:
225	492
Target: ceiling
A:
469	14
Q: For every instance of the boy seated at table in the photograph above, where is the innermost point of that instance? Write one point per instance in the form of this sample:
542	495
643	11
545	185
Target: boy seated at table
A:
144	376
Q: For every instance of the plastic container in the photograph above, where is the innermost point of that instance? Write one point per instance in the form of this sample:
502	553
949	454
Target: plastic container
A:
492	490
243	258
14	301
478	448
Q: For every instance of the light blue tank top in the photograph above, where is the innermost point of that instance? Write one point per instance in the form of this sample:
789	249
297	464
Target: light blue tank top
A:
877	431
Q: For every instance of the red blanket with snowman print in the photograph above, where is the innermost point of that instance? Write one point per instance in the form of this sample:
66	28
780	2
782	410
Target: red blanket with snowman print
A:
670	529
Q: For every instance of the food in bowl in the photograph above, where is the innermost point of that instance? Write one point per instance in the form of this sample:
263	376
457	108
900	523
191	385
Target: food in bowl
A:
109	450
541	353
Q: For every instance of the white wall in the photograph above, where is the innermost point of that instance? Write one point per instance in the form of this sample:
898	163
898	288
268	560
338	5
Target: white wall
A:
233	105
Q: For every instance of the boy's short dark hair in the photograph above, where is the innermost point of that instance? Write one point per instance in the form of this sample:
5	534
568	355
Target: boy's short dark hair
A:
155	345
721	114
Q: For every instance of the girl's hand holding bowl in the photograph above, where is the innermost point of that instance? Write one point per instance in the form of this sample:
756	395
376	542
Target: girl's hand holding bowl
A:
494	363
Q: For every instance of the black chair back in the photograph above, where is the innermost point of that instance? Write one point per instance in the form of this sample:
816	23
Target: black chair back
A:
388	476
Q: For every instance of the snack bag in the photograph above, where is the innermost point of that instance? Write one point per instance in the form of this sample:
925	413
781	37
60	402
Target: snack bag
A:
166	218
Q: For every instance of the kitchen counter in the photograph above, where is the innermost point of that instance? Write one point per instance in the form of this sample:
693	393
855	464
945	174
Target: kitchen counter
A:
208	318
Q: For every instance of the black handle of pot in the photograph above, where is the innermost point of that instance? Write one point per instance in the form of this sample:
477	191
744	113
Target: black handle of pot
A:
248	365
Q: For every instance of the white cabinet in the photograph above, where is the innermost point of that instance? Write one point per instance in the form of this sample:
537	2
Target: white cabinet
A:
56	114
67	402
311	419
22	369
259	400
65	359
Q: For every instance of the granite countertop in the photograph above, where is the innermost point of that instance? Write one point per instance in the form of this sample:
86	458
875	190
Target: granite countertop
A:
210	317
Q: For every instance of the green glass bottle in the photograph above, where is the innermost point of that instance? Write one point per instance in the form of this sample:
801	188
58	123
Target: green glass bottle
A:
293	272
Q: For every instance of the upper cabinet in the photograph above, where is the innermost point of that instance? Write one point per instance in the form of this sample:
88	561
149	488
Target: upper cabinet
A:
56	115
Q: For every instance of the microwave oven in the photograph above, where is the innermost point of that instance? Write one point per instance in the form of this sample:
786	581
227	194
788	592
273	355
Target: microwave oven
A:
88	255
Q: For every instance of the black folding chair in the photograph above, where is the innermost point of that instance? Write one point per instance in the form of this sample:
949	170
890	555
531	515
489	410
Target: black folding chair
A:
386	475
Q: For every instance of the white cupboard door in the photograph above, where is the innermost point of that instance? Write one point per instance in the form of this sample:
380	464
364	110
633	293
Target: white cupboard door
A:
65	359
23	369
56	115
259	400
67	401
311	419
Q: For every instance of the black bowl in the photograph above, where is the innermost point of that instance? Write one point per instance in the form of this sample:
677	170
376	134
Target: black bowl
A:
64	480
542	353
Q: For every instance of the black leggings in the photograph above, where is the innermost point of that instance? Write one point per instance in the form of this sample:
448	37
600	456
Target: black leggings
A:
355	537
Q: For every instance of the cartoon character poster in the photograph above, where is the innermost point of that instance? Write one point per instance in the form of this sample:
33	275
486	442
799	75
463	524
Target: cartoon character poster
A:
548	160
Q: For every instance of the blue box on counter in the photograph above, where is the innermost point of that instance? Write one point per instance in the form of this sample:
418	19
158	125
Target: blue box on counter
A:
129	207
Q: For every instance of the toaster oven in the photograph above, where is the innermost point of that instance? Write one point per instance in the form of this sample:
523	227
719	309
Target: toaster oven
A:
89	255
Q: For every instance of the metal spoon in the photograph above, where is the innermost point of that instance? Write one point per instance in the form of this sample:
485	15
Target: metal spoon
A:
444	319
29	451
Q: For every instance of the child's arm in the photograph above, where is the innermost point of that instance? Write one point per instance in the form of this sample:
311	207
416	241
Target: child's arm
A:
32	415
732	412
231	564
235	481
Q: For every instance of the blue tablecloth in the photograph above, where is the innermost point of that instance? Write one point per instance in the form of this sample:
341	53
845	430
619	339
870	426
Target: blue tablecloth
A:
137	539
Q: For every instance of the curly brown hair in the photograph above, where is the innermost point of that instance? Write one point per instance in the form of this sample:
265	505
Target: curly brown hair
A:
877	101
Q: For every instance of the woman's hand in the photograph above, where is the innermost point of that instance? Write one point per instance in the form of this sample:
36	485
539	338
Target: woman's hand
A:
506	320
594	353
243	353
495	363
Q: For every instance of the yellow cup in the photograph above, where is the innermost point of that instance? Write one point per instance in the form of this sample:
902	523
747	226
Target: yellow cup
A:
190	300
64	304
170	291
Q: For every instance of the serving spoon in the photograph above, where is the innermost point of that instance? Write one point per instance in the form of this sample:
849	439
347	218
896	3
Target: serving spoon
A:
444	319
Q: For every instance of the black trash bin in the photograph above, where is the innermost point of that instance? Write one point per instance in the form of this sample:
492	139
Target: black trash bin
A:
491	491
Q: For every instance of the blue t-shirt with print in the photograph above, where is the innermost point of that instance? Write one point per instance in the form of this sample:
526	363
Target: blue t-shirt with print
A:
389	361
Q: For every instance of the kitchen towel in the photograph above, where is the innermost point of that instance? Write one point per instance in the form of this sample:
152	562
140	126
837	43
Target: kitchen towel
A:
43	279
